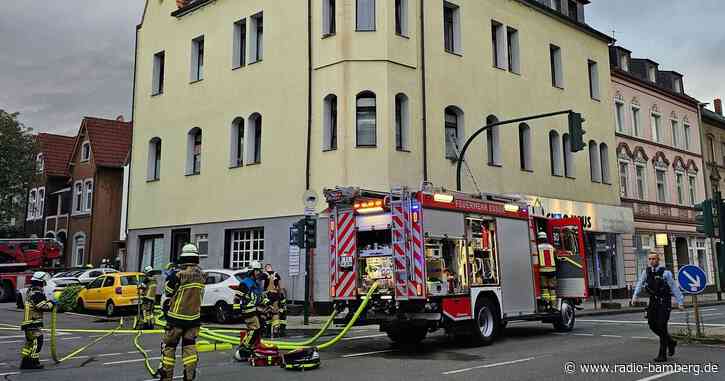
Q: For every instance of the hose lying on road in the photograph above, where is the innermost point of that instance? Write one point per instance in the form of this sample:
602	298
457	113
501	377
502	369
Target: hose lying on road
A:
147	362
53	339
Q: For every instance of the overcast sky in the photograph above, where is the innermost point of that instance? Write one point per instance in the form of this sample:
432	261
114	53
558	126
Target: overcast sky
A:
62	60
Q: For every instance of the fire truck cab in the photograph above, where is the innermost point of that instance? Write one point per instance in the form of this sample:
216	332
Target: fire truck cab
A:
464	263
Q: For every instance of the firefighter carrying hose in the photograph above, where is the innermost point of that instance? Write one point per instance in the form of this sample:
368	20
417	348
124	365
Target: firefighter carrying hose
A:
35	305
147	291
547	268
278	302
250	300
185	289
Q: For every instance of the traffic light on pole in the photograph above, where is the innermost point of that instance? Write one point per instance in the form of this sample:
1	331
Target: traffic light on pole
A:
576	132
704	218
297	234
310	232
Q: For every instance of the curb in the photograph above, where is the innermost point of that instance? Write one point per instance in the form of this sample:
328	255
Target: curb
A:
630	310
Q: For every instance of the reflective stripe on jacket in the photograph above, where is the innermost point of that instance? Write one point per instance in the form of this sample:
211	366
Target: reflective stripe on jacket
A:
35	305
186	292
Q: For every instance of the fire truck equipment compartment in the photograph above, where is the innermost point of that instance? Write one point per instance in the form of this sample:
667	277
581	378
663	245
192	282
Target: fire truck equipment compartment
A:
515	256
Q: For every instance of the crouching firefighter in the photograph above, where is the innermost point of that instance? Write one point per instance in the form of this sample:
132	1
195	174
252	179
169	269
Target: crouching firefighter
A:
35	305
185	289
147	299
248	301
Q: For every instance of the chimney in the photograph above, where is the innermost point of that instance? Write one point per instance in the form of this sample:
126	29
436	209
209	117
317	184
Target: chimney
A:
120	118
718	106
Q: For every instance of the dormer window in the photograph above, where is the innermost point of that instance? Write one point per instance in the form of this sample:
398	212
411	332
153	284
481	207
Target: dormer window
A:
39	163
652	74
86	151
624	62
677	85
573	10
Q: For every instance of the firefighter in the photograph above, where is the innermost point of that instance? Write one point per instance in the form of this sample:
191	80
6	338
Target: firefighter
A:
185	289
249	301
661	286
147	291
547	267
277	300
35	304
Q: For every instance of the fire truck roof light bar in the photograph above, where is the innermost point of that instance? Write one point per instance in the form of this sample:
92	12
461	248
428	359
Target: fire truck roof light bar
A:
443	197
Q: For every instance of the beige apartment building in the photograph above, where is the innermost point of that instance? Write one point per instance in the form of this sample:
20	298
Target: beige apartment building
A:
240	106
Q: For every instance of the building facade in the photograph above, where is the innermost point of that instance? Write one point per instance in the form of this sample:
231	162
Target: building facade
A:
714	155
240	107
659	163
95	173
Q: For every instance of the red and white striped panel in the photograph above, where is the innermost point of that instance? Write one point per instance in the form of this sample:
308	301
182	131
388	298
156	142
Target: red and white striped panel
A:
346	247
417	250
400	249
333	255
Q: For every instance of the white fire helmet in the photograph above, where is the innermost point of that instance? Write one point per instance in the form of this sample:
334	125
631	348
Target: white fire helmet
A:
148	269
542	235
256	265
40	276
189	254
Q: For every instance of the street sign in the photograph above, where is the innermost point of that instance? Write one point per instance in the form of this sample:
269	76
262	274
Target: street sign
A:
294	260
692	279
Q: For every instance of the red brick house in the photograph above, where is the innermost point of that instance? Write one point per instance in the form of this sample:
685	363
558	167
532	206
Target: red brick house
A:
96	187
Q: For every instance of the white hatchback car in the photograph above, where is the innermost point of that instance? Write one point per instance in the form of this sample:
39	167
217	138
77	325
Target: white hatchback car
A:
219	292
85	276
52	289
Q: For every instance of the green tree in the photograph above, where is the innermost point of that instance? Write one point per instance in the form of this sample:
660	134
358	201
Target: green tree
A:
18	148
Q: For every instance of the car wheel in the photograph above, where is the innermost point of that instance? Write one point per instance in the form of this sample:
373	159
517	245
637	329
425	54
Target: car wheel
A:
486	322
110	309
222	314
564	322
80	307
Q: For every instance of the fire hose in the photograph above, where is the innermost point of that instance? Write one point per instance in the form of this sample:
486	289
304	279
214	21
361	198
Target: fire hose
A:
53	339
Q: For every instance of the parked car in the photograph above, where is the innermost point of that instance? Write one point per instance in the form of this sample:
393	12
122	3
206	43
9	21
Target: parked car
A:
219	291
52	289
111	291
85	276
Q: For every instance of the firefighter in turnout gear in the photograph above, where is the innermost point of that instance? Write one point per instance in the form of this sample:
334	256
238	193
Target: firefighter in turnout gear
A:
660	286
547	268
35	305
277	301
185	289
249	300
147	291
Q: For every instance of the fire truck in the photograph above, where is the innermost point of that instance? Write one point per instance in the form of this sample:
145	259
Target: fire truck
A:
465	263
18	257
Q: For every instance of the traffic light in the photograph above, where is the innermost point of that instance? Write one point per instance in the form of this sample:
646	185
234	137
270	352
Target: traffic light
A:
297	234
310	232
576	133
704	218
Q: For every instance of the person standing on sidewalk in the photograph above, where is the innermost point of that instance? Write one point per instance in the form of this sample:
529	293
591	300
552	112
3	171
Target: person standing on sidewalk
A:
660	284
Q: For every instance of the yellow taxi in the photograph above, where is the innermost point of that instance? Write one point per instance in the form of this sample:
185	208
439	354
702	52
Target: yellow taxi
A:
111	291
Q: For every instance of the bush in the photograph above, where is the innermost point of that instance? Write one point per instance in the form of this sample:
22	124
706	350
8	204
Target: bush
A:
68	299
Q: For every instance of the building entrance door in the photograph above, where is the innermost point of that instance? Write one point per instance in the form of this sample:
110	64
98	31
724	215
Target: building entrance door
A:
179	238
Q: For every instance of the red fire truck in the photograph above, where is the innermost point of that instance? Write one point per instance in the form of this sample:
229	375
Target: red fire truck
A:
18	257
464	263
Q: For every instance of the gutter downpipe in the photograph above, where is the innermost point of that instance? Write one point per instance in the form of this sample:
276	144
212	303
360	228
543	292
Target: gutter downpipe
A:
424	89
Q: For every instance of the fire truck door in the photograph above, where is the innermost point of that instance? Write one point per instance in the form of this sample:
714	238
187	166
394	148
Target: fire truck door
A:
567	236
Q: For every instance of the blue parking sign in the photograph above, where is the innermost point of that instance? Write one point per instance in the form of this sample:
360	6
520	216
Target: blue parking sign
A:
692	279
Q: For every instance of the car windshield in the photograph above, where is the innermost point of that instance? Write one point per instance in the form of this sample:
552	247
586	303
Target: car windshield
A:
130	280
69	274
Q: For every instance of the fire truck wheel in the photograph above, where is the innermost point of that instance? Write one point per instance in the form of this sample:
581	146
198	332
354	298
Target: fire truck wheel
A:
487	323
564	321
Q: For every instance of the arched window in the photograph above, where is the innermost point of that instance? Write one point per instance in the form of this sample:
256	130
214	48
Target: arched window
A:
594	168
555	153
366	120
32	199
255	139
39	163
79	249
402	123
193	151
329	123
154	160
568	157
604	158
493	146
525	147
236	141
453	131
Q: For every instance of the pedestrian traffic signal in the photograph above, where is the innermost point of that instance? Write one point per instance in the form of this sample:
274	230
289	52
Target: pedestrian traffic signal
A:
576	132
297	234
704	218
310	232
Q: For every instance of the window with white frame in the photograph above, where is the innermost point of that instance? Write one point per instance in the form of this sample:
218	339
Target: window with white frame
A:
202	243
257	38
255	139
512	45
239	57
692	188
366	120
79	249
329	26
329	123
557	70
676	141
86	151
453	126
661	180
594	164
624	178
619	115
88	198
525	158
32	204
197	59
236	141
498	43
701	254
402	122
78	197
656	128
640	180
193	151
401	17
40	209
555	153
493	142
157	82
593	79
365	15
604	162
680	187
245	246
644	244
688	136
152	252
39	163
568	157
154	160
452	28
636	121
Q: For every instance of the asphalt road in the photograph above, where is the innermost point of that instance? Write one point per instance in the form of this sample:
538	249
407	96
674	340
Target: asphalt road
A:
527	351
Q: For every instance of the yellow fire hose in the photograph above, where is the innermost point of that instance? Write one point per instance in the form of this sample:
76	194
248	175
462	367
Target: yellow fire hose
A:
53	340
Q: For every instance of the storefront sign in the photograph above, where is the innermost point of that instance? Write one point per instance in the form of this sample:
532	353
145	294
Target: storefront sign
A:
661	239
594	217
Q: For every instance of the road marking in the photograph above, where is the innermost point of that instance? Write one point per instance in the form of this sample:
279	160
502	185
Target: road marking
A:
72	358
488	366
132	352
640	322
11	341
110	354
367	353
364	337
9	374
583	334
656	376
645	338
614	336
71	338
156	379
691	311
706	315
